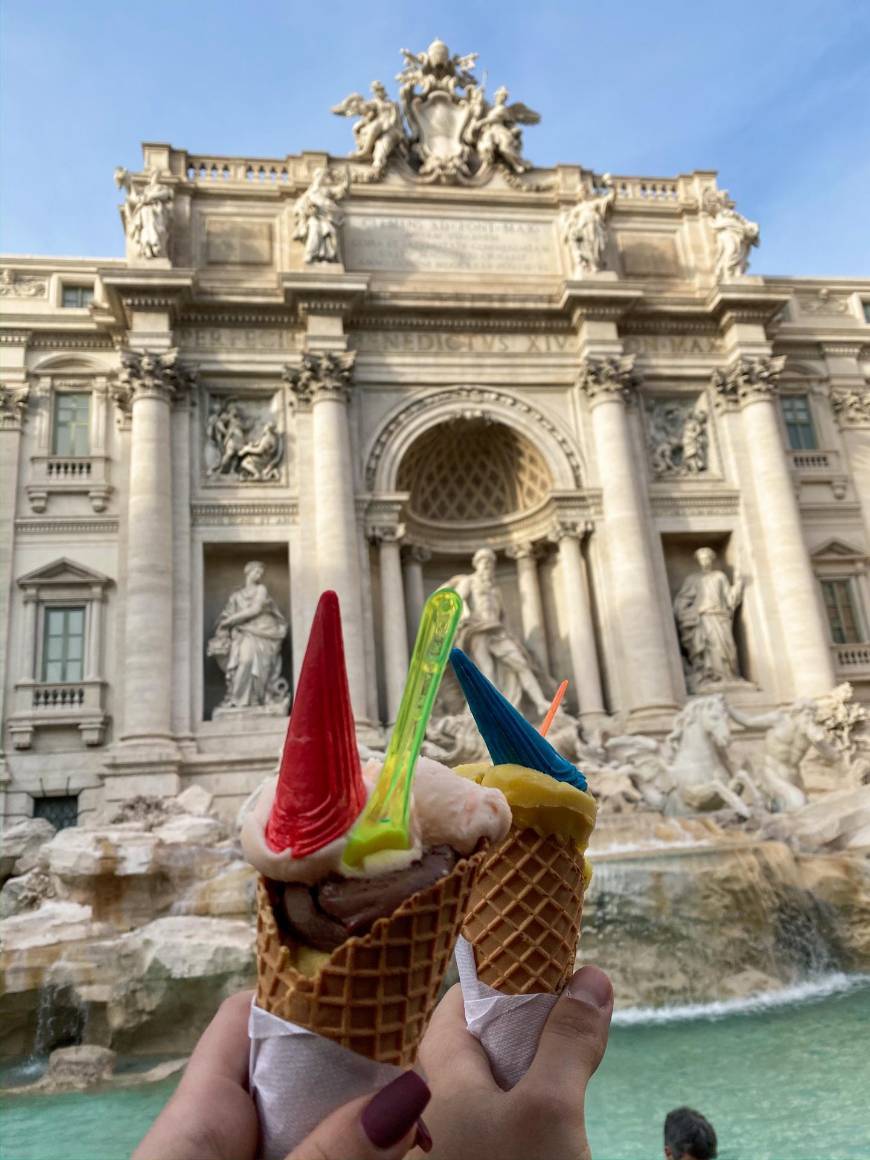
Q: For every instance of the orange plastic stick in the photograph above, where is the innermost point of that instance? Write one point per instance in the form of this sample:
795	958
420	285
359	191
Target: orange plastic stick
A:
553	710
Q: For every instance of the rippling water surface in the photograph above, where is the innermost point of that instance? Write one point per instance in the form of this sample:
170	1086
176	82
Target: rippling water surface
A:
784	1077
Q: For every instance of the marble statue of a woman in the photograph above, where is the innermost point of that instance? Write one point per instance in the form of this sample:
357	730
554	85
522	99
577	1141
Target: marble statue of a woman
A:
247	645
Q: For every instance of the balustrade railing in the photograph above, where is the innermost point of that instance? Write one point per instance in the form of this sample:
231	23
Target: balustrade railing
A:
60	696
849	656
68	469
215	170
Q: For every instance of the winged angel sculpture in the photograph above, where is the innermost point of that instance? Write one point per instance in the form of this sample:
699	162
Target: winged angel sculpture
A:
442	126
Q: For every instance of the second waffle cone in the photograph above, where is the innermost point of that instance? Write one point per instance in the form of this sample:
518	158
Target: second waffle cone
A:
524	916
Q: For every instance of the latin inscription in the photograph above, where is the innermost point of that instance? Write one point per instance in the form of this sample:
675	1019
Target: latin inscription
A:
672	344
239	338
464	245
451	342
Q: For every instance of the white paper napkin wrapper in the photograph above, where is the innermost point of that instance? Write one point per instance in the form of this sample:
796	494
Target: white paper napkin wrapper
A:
298	1078
508	1026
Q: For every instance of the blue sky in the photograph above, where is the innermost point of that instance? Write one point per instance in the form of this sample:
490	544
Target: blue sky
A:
776	97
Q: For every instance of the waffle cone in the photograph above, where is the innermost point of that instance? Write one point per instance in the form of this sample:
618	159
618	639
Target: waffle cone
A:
374	994
524	915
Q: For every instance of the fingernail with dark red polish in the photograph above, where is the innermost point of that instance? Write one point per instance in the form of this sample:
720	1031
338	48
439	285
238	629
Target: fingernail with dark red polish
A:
394	1111
423	1139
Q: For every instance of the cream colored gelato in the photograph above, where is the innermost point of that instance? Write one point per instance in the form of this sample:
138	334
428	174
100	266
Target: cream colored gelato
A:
445	810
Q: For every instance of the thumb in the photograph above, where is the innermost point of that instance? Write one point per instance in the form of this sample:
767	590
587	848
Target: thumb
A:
380	1127
574	1038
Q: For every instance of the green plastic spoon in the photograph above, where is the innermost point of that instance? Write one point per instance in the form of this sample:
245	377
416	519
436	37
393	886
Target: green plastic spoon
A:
384	824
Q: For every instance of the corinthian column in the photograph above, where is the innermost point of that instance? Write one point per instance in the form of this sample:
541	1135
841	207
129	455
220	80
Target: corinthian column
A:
393	628
581	631
607	383
323	382
752	384
531	606
147	383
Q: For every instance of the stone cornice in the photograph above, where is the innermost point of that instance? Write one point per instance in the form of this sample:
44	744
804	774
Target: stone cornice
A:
608	377
72	527
139	289
331	292
320	375
746	301
259	512
594	300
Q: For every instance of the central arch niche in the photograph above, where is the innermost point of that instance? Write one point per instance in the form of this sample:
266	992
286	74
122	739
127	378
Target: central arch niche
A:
472	471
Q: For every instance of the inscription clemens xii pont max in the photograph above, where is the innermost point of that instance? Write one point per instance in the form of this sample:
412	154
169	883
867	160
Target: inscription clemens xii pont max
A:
496	246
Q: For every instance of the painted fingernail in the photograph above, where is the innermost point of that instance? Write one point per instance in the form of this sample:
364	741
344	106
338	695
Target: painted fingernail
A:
394	1111
590	985
423	1139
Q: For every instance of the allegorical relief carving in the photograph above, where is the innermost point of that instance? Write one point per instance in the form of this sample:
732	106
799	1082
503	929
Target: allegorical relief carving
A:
318	215
246	643
584	230
704	608
677	437
735	235
14	285
243	442
442	127
147	214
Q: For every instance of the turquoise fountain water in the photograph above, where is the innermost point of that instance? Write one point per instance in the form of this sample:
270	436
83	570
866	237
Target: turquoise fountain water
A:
781	1080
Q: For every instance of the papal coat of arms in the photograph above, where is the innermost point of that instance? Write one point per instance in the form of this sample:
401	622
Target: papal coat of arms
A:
442	128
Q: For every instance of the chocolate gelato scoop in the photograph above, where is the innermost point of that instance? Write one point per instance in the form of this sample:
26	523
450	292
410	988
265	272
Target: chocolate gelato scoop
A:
323	916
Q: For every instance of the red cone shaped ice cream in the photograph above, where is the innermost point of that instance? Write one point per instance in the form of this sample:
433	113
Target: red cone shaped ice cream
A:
320	790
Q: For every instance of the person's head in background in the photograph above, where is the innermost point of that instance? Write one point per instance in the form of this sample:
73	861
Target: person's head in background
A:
689	1136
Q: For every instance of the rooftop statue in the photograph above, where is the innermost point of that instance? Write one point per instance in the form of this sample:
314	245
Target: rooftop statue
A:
442	125
735	235
318	215
585	232
147	214
378	133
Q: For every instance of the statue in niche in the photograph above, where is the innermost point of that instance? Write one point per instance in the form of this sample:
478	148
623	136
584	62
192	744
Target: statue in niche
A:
704	608
584	230
379	132
246	643
790	733
735	235
147	215
495	129
318	215
232	454
677	438
483	634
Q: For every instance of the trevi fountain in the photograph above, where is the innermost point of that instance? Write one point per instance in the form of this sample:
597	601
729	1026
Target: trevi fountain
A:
560	392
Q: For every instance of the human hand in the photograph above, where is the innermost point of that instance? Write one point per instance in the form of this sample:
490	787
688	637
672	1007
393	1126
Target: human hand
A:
542	1117
211	1116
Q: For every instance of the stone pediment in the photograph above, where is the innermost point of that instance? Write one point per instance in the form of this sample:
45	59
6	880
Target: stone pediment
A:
63	573
837	550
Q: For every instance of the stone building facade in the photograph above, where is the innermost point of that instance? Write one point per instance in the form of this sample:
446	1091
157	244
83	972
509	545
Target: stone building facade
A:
357	372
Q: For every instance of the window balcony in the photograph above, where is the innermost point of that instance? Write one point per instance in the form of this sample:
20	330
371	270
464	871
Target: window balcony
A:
44	704
69	475
816	466
852	661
